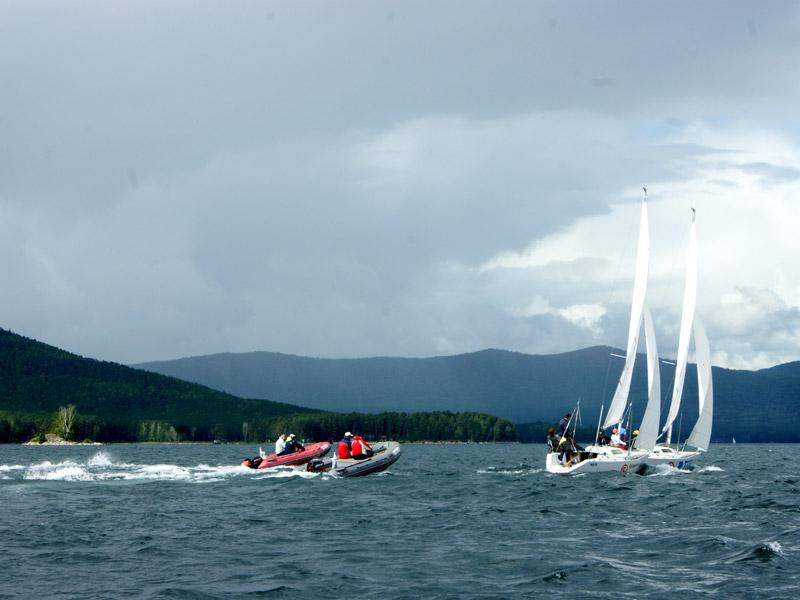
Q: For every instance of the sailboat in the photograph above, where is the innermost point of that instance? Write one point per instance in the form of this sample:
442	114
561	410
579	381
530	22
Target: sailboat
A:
640	317
700	436
598	457
646	450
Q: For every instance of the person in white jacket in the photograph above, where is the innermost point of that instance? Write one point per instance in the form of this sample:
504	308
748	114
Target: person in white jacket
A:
616	439
280	443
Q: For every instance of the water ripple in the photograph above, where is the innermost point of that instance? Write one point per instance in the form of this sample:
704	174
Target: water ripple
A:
461	521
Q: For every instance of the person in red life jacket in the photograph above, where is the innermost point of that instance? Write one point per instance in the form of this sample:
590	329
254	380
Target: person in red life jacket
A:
360	448
343	449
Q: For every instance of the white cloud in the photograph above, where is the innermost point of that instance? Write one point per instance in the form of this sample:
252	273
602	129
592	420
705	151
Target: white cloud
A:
403	186
584	315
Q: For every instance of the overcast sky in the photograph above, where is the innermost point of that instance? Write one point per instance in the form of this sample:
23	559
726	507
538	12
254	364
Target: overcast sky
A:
347	179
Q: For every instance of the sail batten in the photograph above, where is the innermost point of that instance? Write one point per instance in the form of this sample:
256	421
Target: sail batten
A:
620	400
687	319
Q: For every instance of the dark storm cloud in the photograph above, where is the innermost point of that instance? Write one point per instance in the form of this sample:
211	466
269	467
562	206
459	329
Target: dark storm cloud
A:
179	178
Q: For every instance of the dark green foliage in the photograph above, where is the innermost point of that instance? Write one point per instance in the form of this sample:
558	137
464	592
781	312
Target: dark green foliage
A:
430	426
111	399
118	403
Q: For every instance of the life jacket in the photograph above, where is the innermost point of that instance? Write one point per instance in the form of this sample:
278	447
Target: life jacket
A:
344	450
359	446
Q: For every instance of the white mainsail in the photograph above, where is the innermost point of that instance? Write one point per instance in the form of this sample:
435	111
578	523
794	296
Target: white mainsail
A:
648	430
620	399
701	434
687	319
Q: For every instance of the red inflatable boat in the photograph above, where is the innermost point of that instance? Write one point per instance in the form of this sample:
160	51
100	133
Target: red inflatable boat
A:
295	458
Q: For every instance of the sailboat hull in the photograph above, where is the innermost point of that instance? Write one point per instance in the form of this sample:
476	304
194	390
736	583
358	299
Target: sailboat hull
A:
602	463
664	455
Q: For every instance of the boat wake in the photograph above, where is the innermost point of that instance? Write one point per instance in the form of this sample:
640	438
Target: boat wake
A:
521	469
664	470
102	467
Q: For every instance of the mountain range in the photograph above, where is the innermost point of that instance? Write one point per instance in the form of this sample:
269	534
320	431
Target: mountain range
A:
114	403
749	405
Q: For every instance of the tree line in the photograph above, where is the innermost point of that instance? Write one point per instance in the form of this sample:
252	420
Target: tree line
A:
17	427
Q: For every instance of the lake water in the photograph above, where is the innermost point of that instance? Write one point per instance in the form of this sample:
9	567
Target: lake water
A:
447	521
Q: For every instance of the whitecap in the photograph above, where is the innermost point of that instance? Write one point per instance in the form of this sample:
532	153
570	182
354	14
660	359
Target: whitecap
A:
4	468
665	470
775	547
101	459
711	469
494	471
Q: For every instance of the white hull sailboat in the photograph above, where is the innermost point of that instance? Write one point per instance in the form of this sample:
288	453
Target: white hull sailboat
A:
700	437
647	451
607	458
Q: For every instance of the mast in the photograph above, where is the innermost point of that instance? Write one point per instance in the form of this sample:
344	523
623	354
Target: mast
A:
687	319
620	399
599	422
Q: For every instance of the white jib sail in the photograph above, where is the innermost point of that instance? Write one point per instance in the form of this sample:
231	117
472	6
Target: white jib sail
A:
648	430
701	434
689	303
620	400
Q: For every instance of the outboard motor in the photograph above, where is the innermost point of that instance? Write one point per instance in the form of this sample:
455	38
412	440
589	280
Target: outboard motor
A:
316	465
252	463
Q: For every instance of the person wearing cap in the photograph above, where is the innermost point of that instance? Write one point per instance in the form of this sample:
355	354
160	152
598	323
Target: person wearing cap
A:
360	449
280	443
616	439
344	447
293	445
634	435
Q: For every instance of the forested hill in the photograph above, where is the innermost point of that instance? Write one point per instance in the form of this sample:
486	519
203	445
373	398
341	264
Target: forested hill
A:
119	403
750	405
35	379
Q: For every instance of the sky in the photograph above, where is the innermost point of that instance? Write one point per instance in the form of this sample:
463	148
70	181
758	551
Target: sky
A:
351	179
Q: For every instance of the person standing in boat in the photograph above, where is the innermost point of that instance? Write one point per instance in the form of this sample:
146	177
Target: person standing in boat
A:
552	440
564	424
568	450
280	444
360	449
345	444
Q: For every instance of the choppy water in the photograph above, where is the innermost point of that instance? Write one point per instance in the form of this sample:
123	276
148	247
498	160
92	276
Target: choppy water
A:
460	521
